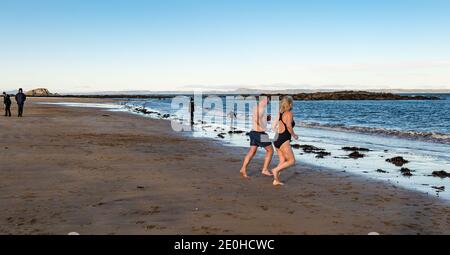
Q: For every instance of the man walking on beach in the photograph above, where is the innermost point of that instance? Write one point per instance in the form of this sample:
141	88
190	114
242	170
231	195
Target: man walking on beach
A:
7	102
259	137
20	99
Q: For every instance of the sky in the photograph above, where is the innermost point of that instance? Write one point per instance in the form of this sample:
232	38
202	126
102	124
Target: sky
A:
115	45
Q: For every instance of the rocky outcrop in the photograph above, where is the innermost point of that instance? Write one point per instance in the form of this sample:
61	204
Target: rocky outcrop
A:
398	161
406	172
320	153
441	174
358	95
40	92
308	148
439	188
356	155
354	149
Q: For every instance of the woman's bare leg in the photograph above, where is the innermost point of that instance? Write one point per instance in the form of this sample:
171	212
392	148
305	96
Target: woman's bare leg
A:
248	158
289	160
275	171
282	159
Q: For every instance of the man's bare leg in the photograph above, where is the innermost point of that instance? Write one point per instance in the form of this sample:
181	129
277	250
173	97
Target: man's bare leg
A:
248	158
267	160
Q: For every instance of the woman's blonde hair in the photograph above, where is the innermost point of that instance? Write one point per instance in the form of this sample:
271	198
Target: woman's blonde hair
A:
286	104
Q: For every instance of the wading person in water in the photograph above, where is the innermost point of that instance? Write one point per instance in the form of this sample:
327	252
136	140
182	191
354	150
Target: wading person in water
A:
20	99
7	102
284	126
259	137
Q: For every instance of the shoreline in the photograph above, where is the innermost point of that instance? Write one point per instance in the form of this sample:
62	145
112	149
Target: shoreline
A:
417	136
98	172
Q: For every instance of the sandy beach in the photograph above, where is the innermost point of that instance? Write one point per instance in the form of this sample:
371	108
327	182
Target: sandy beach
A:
96	172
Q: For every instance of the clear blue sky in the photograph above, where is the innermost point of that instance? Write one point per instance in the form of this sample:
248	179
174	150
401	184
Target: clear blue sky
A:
99	45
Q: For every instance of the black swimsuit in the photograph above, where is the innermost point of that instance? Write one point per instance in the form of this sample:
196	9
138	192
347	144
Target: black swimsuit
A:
285	136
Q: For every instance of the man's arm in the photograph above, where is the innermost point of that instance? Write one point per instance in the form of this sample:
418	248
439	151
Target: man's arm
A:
255	118
275	123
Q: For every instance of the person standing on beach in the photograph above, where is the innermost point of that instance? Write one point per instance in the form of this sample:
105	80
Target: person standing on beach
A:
20	99
233	117
259	137
192	110
7	102
284	126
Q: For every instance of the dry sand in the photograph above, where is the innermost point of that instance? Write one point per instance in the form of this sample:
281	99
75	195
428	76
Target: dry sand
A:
94	172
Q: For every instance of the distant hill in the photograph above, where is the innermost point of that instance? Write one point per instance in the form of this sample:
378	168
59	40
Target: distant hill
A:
40	92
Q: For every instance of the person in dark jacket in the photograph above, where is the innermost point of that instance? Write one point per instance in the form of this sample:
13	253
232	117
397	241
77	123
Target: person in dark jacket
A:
192	110
20	99
7	102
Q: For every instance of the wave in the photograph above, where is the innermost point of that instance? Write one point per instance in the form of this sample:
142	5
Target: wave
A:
426	136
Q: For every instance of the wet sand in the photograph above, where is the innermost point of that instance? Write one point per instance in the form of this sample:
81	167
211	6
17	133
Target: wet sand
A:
95	172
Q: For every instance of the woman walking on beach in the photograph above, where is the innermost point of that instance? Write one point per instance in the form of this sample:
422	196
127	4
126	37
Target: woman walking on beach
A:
284	126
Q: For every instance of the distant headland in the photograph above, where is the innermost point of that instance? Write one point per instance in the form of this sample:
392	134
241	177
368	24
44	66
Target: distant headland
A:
40	92
360	95
334	95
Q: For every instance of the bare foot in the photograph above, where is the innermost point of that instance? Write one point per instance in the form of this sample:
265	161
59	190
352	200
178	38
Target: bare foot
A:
276	178
244	174
267	173
278	183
